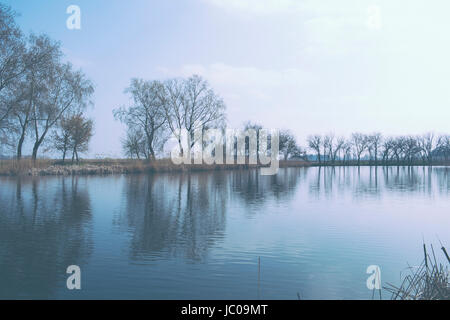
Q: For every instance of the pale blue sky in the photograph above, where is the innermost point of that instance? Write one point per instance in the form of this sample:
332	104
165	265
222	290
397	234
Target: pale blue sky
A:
312	66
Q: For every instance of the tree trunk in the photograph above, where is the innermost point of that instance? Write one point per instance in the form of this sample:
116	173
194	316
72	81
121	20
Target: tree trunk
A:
376	156
19	146
38	143
152	154
35	150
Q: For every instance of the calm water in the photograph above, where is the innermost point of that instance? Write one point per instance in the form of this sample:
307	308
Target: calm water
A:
199	236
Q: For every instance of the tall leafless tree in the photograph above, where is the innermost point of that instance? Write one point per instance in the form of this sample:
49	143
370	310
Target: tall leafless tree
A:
256	127
146	115
427	144
61	137
191	105
315	143
72	135
288	145
135	144
360	143
443	146
336	148
11	50
81	133
411	149
66	91
374	143
12	66
41	55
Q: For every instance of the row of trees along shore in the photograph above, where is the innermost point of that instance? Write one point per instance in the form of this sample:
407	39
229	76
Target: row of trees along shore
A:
161	109
42	97
376	149
43	101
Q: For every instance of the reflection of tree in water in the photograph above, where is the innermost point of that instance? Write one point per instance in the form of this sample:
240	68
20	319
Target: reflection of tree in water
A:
405	178
442	175
44	227
374	181
333	181
174	214
186	214
256	189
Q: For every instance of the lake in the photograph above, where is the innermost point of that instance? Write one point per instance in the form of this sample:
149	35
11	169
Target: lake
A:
314	230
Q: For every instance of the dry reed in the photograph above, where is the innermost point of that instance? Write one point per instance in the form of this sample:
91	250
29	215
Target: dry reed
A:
428	281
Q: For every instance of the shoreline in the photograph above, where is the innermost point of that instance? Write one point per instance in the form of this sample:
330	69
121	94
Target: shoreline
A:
14	168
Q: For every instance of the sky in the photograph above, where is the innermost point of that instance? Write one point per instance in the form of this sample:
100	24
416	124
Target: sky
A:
304	65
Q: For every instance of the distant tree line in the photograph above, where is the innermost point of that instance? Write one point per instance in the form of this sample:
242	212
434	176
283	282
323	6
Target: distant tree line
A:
376	149
42	97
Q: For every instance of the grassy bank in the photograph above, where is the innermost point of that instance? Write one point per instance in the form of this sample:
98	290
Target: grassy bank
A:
115	166
44	167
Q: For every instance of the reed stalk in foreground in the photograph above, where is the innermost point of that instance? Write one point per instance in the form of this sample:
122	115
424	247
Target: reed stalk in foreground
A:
428	281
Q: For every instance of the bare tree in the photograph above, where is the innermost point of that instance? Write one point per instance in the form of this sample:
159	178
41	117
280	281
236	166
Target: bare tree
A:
66	91
374	142
256	127
146	115
191	105
73	134
41	54
81	133
12	67
398	148
411	149
315	143
387	147
36	88
443	146
347	150
12	64
327	145
288	144
61	139
427	144
336	148
8	127
360	143
134	144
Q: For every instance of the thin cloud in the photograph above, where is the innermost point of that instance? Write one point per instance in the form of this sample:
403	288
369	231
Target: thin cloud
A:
233	79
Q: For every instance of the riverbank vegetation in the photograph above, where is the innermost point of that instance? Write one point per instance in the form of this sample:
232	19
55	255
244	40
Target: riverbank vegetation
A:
428	281
41	94
48	167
